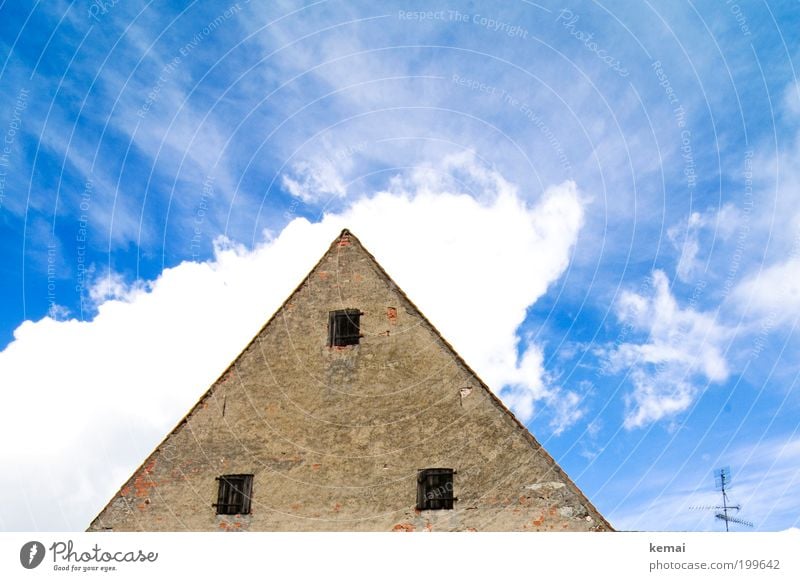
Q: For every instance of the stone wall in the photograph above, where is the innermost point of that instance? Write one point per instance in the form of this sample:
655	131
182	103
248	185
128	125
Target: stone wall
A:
335	435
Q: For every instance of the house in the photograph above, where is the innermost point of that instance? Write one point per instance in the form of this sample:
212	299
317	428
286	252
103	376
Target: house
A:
349	412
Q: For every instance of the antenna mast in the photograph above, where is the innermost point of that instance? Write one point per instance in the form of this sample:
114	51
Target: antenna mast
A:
722	478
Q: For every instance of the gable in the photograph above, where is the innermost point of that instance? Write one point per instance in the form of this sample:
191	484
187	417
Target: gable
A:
335	435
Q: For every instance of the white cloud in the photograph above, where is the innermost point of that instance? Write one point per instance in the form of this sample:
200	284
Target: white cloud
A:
58	312
567	407
590	445
315	181
682	345
686	236
772	293
320	175
791	99
91	399
110	286
688	245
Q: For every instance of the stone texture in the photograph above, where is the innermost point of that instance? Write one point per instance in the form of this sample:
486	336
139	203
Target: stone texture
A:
335	436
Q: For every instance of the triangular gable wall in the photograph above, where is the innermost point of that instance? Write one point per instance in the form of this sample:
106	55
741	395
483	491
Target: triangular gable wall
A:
334	436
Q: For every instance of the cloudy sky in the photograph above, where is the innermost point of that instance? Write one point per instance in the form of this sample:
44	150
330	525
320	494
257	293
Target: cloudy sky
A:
616	184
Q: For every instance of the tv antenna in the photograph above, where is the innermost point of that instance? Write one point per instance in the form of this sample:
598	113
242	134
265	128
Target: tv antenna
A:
726	512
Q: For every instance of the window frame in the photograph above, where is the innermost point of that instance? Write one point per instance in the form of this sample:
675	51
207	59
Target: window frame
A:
234	494
344	327
433	492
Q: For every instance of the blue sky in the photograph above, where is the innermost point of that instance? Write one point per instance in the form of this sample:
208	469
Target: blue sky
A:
616	183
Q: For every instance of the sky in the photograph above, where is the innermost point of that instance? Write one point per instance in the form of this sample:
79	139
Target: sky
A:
616	184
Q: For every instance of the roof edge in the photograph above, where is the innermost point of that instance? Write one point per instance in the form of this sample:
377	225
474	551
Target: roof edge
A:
529	436
206	394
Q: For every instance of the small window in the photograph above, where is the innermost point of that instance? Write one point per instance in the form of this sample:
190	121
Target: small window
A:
435	489
234	494
343	327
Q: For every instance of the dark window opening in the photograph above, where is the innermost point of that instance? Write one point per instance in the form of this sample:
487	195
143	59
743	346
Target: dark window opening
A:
343	327
235	491
435	489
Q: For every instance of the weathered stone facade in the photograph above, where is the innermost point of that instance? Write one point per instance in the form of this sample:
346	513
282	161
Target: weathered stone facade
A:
334	436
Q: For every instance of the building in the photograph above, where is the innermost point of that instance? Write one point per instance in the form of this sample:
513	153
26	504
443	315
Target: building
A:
349	411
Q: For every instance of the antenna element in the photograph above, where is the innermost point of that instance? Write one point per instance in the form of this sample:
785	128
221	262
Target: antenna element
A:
722	480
